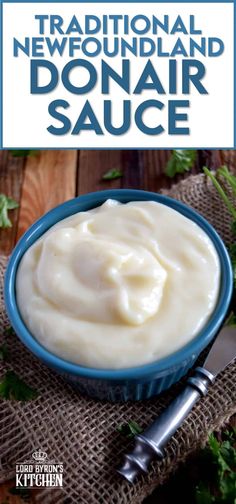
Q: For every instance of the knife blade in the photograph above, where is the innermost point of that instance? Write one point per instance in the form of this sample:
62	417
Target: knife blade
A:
150	444
223	351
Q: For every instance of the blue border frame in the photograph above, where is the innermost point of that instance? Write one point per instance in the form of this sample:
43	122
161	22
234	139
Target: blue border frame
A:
1	74
78	147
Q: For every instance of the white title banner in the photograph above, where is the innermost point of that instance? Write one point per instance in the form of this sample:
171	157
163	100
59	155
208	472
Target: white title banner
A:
118	75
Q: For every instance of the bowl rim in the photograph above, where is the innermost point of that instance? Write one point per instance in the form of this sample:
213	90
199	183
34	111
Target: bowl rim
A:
161	367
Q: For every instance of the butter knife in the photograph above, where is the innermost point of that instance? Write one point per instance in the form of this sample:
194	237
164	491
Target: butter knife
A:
150	444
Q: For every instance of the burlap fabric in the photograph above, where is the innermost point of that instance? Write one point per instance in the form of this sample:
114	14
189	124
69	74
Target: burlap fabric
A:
81	433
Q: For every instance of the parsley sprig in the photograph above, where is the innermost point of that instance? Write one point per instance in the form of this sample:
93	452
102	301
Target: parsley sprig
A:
23	153
112	174
24	493
180	161
4	352
129	429
221	488
9	331
6	204
13	387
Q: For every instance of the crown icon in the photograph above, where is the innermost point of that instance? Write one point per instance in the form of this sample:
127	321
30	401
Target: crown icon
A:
39	456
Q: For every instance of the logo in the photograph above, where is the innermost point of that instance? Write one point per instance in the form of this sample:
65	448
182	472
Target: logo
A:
39	456
39	472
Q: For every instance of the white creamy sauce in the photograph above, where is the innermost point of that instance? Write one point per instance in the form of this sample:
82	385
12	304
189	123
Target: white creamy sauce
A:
120	285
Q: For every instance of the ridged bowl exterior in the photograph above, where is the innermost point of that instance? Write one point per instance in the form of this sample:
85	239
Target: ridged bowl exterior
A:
135	383
129	390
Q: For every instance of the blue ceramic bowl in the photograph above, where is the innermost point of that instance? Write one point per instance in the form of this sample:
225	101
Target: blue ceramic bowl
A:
133	383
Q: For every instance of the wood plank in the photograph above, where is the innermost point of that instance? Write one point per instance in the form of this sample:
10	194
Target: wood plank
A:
209	158
154	164
228	157
50	179
133	170
11	177
93	165
144	169
7	498
141	170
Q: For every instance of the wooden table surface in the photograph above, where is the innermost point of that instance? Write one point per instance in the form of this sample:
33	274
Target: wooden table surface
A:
42	181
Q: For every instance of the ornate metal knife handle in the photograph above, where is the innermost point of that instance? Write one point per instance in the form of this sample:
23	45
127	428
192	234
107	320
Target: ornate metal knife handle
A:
151	442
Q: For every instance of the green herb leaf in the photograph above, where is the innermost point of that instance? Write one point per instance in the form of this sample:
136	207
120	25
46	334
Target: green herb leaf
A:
22	492
23	153
223	455
180	162
11	204
233	227
203	495
216	449
13	387
231	320
129	429
228	488
5	205
9	331
4	352
112	174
